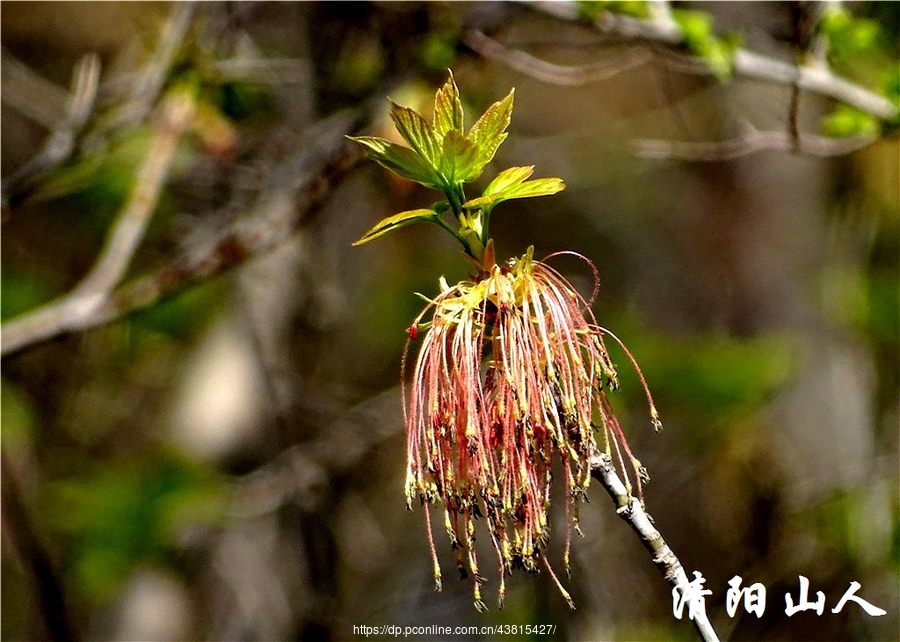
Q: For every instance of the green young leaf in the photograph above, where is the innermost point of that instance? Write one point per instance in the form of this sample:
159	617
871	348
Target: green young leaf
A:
448	111
460	159
511	183
490	130
507	178
400	160
528	189
397	221
537	187
418	132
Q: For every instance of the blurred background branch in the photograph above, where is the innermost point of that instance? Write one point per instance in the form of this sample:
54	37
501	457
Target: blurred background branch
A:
750	141
658	30
149	81
324	156
75	310
660	27
35	98
552	73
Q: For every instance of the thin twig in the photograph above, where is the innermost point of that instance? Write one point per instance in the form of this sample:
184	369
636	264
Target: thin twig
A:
32	95
816	79
61	141
70	311
132	222
804	19
150	81
750	142
630	509
553	73
794	119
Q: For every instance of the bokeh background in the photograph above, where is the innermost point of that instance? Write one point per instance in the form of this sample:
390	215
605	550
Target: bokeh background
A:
228	462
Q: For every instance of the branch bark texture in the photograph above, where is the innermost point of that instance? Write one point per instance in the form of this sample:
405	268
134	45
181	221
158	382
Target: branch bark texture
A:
629	509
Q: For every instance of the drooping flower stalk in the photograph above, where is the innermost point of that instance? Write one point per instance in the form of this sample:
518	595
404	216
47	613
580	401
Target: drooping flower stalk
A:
511	378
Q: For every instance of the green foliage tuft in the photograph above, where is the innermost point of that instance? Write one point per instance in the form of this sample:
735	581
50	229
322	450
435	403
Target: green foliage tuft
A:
441	155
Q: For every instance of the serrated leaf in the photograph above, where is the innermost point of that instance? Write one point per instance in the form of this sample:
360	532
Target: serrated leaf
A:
507	178
460	159
526	189
418	132
448	111
537	187
399	159
397	221
490	130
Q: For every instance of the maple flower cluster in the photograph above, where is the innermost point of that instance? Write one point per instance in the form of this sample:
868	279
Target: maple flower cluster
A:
511	377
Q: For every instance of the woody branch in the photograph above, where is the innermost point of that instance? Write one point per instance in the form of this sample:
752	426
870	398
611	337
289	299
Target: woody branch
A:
629	508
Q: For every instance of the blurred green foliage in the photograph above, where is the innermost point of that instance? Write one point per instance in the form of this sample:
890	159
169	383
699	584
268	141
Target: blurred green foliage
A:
858	47
439	51
849	37
185	316
127	513
707	382
104	178
880	314
849	121
698	31
17	418
20	292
